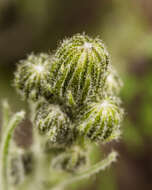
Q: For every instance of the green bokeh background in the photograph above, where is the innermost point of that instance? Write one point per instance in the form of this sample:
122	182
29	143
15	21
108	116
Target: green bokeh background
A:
126	28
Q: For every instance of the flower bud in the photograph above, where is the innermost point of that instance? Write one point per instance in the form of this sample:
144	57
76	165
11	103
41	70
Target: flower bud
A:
52	122
31	75
100	121
79	70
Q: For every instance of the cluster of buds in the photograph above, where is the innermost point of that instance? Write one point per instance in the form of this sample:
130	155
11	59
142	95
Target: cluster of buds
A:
76	94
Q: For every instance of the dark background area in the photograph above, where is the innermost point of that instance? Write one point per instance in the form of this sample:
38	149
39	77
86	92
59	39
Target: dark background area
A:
126	28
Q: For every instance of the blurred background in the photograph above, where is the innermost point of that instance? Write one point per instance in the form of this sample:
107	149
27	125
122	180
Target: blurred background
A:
126	28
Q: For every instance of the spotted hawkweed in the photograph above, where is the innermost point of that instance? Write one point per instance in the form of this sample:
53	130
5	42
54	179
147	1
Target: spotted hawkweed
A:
74	103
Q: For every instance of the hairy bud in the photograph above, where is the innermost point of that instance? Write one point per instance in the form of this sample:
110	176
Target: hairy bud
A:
100	121
79	70
52	122
31	76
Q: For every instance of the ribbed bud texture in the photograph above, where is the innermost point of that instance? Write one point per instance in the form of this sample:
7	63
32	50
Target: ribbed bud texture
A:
52	122
78	73
31	76
100	121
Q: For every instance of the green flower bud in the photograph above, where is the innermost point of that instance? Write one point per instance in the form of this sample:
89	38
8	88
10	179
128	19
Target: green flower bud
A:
79	70
52	122
100	121
31	76
71	160
113	82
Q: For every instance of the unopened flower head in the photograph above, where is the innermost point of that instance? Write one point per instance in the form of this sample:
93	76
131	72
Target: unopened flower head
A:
101	120
80	69
31	75
53	123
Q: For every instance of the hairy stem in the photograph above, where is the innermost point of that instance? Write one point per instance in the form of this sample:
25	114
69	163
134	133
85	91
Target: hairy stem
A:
12	124
90	171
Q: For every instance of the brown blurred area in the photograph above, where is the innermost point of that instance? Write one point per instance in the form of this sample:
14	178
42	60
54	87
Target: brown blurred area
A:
39	25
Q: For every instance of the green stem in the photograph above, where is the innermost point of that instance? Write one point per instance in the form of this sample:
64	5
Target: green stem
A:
15	120
5	117
90	171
